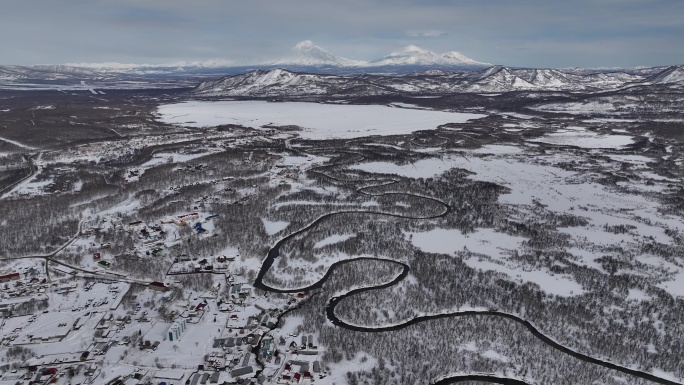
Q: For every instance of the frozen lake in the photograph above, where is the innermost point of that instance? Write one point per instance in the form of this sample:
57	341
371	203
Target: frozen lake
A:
320	121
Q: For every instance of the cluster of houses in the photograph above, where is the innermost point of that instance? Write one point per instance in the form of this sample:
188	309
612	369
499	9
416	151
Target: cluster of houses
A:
203	378
239	353
307	347
132	175
16	284
290	172
99	224
154	237
184	264
109	325
76	373
151	235
22	287
296	371
191	167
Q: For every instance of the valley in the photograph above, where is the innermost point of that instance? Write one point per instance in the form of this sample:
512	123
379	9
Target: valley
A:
498	225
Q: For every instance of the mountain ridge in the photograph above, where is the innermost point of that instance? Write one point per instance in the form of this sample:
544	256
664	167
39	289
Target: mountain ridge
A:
306	54
495	79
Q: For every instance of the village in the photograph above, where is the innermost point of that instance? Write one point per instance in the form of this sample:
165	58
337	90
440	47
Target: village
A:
86	321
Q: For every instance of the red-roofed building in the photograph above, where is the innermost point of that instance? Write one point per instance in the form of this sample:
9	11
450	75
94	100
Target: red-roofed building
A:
156	285
9	277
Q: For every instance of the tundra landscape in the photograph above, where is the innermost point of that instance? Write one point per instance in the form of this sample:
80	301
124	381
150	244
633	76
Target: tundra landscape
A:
500	225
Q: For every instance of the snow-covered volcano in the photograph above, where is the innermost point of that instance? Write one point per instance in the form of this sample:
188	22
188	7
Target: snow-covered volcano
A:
306	53
416	56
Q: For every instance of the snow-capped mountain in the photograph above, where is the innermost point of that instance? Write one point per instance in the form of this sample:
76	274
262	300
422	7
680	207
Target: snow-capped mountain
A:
416	56
312	70
306	53
305	57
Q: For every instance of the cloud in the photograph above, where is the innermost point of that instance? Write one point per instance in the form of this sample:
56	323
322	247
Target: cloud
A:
428	33
642	32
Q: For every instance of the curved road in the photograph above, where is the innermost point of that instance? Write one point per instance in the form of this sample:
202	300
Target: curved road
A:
49	259
33	170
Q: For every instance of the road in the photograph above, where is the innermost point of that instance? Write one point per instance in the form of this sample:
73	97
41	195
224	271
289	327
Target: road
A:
33	171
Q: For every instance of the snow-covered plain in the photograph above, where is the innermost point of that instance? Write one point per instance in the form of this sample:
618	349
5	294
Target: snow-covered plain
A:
542	181
425	168
273	228
495	247
319	121
585	139
596	107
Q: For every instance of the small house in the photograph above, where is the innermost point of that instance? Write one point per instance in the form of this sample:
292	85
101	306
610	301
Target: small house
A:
159	286
241	371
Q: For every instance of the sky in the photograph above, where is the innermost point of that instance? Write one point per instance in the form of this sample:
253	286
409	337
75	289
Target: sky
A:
523	33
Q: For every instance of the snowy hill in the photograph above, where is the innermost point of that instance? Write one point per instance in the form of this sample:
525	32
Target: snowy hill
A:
279	82
504	79
671	76
496	79
549	78
500	79
43	72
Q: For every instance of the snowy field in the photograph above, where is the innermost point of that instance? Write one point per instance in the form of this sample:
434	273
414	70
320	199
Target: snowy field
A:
592	107
542	181
495	249
320	121
580	137
273	228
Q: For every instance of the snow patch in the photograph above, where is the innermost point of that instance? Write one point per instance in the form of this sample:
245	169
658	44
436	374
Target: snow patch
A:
273	228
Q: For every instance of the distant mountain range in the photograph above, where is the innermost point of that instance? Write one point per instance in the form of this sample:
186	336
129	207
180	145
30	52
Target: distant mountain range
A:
495	79
312	70
305	56
306	53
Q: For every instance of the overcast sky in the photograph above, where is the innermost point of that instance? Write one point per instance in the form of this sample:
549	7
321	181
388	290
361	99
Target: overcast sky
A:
533	33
